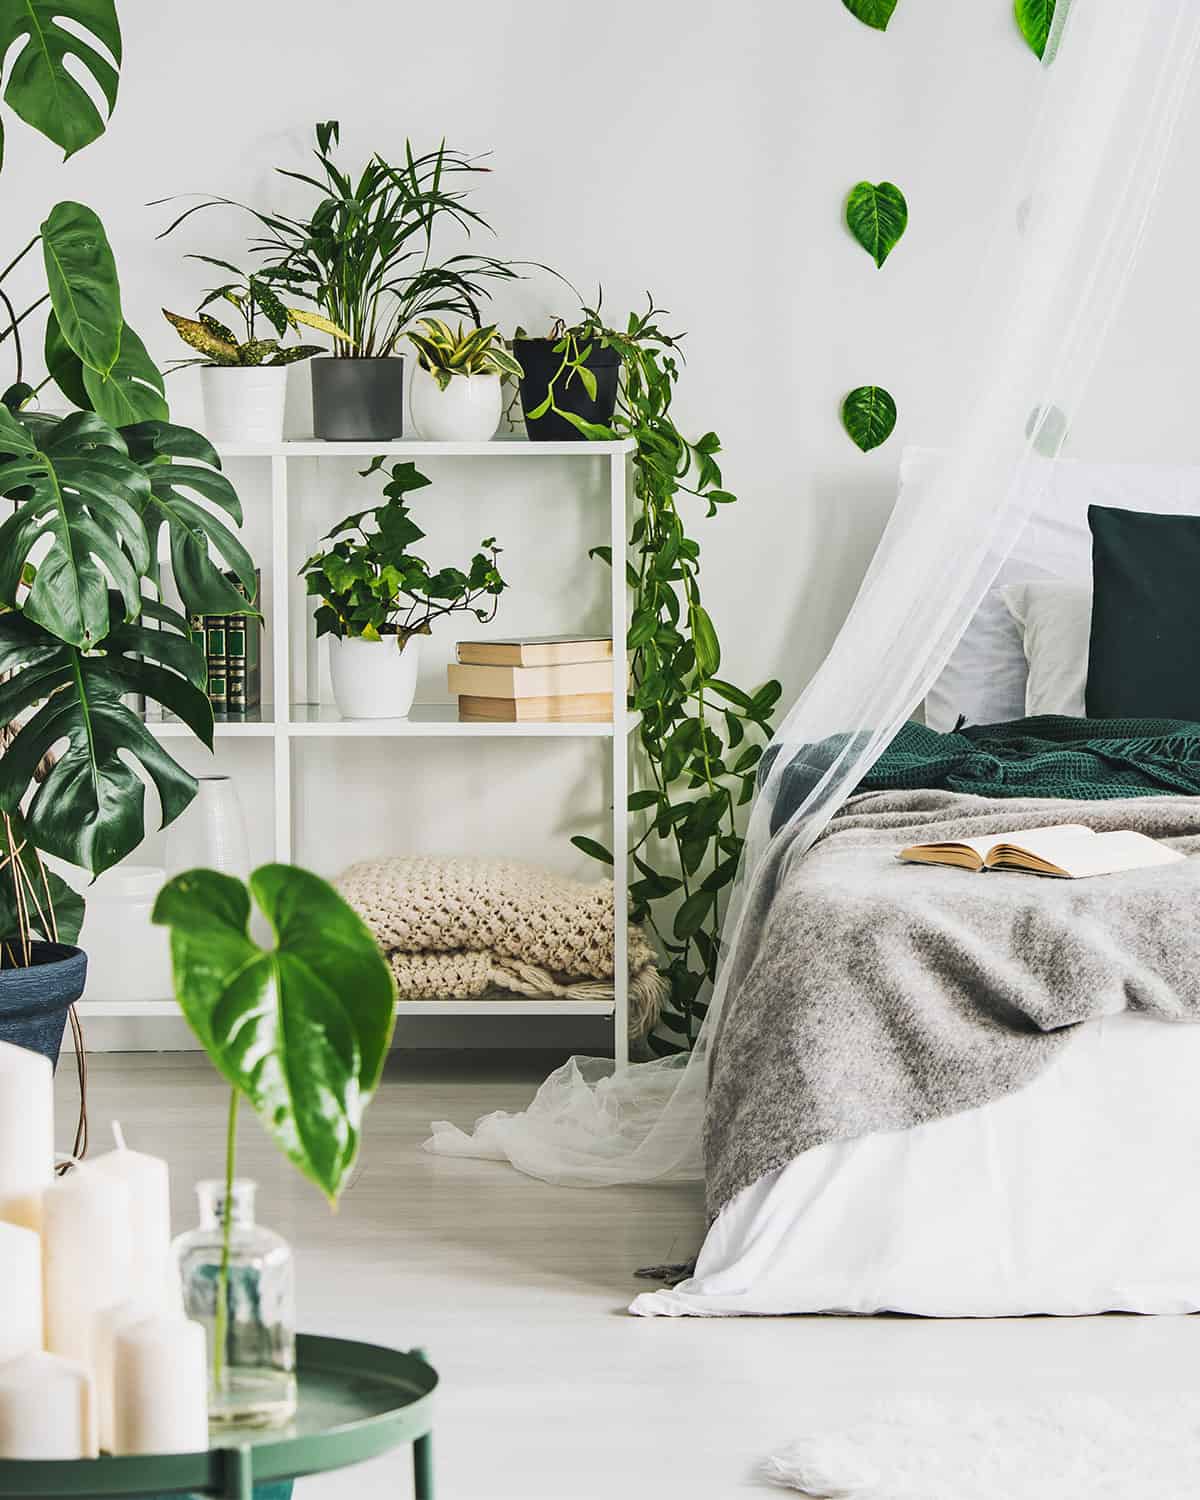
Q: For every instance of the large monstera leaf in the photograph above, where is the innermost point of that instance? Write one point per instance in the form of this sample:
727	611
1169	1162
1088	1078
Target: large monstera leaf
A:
197	535
301	1029
74	485
42	87
90	809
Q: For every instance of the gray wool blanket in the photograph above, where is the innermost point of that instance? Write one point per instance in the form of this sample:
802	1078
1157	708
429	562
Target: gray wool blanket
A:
881	995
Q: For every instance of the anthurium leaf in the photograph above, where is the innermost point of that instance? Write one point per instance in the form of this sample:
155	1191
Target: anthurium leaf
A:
301	1029
53	908
42	88
90	809
81	276
65	366
869	416
76	485
878	216
876	13
1035	18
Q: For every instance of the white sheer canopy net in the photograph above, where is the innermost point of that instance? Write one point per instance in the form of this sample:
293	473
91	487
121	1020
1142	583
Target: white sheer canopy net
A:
1062	251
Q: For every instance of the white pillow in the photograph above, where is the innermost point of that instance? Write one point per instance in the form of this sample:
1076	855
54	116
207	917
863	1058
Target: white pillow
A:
1056	624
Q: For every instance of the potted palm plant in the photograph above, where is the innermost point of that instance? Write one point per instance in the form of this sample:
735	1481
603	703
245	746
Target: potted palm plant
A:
244	380
377	598
454	394
82	622
364	257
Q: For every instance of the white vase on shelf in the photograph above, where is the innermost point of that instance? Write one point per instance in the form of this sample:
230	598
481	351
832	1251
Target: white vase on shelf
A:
467	411
211	833
373	679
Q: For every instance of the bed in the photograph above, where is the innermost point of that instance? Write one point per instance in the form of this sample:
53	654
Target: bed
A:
949	1095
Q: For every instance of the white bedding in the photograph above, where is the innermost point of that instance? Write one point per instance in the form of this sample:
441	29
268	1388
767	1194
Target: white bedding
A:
1078	1194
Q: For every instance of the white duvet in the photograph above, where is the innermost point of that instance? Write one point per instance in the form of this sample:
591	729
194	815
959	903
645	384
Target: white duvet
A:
1078	1194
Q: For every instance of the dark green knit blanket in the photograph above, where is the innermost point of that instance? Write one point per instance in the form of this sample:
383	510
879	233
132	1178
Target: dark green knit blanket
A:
1046	757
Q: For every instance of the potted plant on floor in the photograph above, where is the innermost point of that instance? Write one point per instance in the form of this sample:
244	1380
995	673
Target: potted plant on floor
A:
454	394
244	380
377	598
364	257
82	625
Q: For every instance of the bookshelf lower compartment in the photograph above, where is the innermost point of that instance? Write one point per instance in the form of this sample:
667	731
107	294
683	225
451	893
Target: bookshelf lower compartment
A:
159	1009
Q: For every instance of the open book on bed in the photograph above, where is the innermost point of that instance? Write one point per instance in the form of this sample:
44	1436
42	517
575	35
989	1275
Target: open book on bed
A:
1068	851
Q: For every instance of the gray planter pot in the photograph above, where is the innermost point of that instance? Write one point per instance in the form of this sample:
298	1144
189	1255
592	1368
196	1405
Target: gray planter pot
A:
34	1001
358	400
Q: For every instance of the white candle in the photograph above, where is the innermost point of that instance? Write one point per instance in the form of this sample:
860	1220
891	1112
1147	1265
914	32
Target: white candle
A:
160	1387
149	1187
20	1291
109	1322
26	1134
85	1256
46	1408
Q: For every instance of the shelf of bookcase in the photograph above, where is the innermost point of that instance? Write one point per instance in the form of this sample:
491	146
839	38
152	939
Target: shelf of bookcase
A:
515	1006
427	720
413	448
430	721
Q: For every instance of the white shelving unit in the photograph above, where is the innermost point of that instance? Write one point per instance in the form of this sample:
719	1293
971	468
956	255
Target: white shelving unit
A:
283	722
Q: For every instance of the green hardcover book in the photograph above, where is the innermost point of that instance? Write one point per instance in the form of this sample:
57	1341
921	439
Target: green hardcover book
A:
218	661
243	646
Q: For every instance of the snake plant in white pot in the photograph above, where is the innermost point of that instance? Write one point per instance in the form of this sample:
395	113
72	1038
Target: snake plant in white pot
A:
454	395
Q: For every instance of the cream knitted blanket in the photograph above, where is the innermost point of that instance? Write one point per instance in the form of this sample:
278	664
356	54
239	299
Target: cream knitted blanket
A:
463	928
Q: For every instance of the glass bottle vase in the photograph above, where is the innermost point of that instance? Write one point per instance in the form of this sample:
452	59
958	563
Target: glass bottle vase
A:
252	1338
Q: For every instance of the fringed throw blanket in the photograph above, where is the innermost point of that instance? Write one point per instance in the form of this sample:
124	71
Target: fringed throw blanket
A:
881	995
457	928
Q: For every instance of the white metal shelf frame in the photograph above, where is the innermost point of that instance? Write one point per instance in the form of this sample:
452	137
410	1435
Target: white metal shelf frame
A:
284	721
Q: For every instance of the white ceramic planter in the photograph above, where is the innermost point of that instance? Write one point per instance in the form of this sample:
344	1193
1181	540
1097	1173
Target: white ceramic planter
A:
467	411
373	679
243	403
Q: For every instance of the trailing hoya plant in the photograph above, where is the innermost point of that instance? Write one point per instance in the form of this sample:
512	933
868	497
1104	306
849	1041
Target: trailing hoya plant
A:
702	735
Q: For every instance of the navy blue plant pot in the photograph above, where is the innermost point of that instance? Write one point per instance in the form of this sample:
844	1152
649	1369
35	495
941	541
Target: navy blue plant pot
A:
34	1001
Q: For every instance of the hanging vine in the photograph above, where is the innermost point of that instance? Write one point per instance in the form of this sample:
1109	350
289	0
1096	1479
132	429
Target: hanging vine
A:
702	736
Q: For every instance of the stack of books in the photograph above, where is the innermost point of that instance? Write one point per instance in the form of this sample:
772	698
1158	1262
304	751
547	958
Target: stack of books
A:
233	655
534	679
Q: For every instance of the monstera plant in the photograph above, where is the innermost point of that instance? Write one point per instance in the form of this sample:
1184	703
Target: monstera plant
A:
84	625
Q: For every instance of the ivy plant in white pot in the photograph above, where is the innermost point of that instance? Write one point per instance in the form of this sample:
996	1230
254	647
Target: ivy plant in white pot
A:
454	395
376	598
244	380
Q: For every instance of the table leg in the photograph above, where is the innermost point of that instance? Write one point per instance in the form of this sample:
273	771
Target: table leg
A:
423	1467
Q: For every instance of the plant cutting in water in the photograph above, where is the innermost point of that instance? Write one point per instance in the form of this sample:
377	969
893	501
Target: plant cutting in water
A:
300	1030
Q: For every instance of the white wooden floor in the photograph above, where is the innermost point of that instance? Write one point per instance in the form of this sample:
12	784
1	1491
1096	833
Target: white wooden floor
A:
518	1292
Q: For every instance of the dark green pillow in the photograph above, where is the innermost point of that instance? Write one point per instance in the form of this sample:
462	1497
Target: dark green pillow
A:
1144	659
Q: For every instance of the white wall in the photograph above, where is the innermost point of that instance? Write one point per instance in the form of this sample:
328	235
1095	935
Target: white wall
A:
703	151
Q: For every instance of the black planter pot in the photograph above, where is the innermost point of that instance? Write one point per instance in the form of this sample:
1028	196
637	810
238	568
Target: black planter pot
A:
34	1001
358	400
541	364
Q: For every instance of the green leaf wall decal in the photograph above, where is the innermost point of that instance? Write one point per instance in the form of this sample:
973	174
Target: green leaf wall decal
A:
877	215
1035	18
876	13
869	416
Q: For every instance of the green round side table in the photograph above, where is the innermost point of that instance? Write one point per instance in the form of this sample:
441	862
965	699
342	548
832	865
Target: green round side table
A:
356	1402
